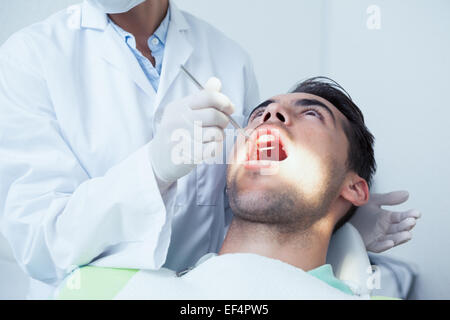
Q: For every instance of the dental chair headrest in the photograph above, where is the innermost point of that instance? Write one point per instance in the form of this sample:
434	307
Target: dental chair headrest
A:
348	256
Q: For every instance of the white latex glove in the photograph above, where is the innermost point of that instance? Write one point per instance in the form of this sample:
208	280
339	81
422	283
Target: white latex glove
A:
182	120
383	229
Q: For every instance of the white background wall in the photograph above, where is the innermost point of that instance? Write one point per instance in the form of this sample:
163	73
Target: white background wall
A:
399	75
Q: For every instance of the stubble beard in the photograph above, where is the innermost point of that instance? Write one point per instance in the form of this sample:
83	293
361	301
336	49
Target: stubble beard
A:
285	208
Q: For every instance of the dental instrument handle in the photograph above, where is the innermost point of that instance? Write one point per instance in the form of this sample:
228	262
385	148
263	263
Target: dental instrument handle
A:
190	76
232	121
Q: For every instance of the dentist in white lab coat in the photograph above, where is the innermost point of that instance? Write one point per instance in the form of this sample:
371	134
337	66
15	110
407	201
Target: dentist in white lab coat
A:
85	171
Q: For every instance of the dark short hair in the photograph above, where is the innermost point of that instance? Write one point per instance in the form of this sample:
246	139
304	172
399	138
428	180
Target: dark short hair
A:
360	157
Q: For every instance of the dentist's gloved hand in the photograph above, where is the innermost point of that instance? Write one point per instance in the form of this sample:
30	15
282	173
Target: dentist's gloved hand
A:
383	229
177	137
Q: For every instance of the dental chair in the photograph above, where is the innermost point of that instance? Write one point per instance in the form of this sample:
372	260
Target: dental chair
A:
348	256
368	275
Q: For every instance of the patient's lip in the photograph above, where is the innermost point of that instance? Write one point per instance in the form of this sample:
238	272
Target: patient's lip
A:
258	164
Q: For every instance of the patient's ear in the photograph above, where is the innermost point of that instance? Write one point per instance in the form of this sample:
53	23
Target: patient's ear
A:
355	190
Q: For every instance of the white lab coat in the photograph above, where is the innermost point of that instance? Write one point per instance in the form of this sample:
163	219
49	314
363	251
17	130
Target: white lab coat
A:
76	117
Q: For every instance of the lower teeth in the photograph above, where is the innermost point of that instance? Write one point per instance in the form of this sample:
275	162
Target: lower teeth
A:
267	148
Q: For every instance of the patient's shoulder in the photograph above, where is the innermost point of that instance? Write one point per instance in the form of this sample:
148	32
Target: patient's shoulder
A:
96	283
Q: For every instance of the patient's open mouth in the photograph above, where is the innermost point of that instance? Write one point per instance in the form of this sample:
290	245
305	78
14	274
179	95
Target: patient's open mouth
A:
267	145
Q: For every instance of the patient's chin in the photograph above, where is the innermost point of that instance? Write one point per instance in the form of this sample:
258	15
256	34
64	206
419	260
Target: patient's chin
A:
283	205
274	207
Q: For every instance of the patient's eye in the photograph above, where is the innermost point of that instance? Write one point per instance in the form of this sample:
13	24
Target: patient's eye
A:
311	111
257	113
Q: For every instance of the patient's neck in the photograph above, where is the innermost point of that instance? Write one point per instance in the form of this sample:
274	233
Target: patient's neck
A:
305	250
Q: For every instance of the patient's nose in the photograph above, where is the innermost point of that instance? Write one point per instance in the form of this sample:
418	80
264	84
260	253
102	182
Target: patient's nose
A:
276	112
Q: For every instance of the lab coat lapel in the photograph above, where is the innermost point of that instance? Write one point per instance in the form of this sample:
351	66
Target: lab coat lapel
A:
176	52
115	51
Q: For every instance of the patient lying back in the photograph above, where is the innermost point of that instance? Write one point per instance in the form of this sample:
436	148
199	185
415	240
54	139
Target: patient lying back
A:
307	164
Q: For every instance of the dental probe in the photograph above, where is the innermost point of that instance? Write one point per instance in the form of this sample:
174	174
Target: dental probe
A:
232	121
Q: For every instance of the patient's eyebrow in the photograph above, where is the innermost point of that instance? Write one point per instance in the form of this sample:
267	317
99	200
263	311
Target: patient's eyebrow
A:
314	102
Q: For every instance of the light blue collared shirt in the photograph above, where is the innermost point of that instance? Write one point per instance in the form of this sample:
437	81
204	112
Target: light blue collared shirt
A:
156	43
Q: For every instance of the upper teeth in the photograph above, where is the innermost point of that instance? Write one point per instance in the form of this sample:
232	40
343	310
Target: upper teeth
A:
266	148
266	138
